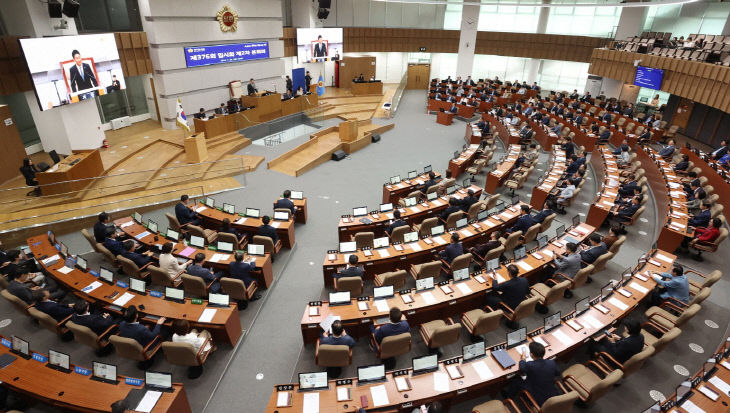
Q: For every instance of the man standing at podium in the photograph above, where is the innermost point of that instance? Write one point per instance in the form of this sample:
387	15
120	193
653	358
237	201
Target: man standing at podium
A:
252	87
81	76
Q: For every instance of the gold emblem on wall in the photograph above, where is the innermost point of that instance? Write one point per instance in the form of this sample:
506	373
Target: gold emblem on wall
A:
228	19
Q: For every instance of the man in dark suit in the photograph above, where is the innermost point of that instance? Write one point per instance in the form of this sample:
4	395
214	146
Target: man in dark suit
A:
549	209
702	218
242	270
184	214
453	207
431	181
628	188
721	151
512	292
668	150
482	249
645	136
200	114
267	230
102	229
395	326
468	200
80	74
524	222
351	269
43	302
252	90
285	202
139	259
196	269
221	110
622	348
536	376
338	337
289	84
397	222
621	148
131	328
453	108
683	164
114	246
579	120
21	290
597	248
625	212
452	250
604	136
320	49
97	322
308	80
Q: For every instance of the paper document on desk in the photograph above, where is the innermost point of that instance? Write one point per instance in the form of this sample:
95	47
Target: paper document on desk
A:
464	288
663	258
240	221
142	235
326	324
592	321
149	401
310	404
123	300
52	258
638	287
428	297
691	407
382	306
343	394
466	233
617	303
383	253
91	287
200	209
525	266
564	338
379	395
483	370
437	203
215	258
65	270
415	246
439	240
126	224
440	382
275	224
207	315
720	384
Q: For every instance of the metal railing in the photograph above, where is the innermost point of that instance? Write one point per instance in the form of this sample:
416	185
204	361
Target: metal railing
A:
398	94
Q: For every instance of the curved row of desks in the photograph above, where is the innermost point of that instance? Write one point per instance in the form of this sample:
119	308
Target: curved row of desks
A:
604	166
549	180
720	183
483	375
392	193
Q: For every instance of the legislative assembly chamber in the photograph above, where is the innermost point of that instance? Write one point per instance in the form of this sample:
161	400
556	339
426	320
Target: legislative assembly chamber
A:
349	206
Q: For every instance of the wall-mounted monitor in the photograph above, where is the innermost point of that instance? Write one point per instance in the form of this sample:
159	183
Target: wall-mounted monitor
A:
225	53
319	45
69	69
648	77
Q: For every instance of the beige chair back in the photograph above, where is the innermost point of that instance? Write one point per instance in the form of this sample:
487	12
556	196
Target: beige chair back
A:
399	232
194	286
230	238
492	201
351	284
494	253
445	184
267	242
89	238
333	356
445	335
712	278
425	228
603	386
127	348
532	232
285	210
582	276
395	278
600	263
512	241
160	277
487	322
453	217
208	235
234	287
108	256
474	209
45	320
616	246
556	293
687	314
666	339
526	308
563	403
130	268
364	239
19	304
173	222
548	221
3	282
637	360
397	345
701	296
180	354
83	335
460	262
428	269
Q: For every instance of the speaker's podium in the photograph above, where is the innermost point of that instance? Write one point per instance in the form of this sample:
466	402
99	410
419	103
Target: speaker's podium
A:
195	149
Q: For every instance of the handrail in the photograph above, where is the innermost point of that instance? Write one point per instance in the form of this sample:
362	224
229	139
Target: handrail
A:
398	94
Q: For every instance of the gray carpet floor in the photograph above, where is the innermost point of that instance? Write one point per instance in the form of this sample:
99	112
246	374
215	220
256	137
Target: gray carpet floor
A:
271	350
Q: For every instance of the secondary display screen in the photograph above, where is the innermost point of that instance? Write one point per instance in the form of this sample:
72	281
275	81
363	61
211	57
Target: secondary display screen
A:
649	77
319	45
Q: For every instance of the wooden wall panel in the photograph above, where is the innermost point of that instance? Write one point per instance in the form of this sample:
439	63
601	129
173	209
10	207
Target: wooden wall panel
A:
701	82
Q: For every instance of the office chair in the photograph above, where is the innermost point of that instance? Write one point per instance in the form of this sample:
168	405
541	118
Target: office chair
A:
50	323
439	333
184	354
333	357
54	156
395	278
162	278
86	336
591	385
479	322
391	347
562	403
496	406
130	348
352	284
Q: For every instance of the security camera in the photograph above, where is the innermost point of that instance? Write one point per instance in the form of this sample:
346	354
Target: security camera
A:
62	25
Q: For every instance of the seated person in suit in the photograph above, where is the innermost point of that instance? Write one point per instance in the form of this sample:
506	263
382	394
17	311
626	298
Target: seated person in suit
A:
184	214
702	218
169	263
645	135
431	181
683	164
287	95
44	303
338	337
19	267
453	108
453	207
549	209
96	322
242	270
221	110
396	325
568	263
351	269
674	286
468	200
397	222
181	333
524	222
114	246
627	189
200	114
721	151
286	202
612	236
131	328
597	248
102	228
621	348
139	259
668	150
625	212
196	269
228	228
624	144
511	292
453	250
564	197
537	376
704	235
267	230
573	165
482	249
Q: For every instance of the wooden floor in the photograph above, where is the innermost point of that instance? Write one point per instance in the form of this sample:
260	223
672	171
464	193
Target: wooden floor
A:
346	106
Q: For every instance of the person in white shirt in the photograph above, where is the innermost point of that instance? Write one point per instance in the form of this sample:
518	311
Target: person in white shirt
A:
183	334
565	195
168	262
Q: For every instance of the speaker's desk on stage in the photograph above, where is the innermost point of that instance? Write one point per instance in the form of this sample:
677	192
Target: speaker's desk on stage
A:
73	391
367	88
266	105
72	173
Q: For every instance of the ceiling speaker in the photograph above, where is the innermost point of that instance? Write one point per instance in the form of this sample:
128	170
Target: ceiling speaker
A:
71	8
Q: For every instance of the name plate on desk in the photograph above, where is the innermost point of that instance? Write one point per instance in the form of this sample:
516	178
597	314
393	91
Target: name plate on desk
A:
7	343
82	371
133	382
40	358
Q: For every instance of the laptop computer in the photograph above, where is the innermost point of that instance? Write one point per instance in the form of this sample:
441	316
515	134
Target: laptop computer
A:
297	195
59	361
103	372
424	284
106	275
197	242
425	364
386	291
225	246
158	381
473	351
229	209
552	321
281	216
517	337
370	374
313	381
253	213
174	294
346	247
255	249
218	300
359	211
339	298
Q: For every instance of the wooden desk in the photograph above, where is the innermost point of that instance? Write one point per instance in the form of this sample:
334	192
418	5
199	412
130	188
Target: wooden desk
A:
301	204
472	135
348	227
434	304
299	104
213	218
435	105
266	105
549	179
388	259
581	138
503	132
72	391
67	176
445	118
222	124
721	185
605	166
366	88
545	139
465	111
393	193
472	384
225	326
459	165
496	178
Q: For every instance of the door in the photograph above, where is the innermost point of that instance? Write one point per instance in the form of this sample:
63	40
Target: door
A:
682	113
418	76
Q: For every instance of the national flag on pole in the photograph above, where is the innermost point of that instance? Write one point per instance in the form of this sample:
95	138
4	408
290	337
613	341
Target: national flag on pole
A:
180	119
320	86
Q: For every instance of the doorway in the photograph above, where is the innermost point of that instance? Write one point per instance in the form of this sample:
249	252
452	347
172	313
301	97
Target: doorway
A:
418	76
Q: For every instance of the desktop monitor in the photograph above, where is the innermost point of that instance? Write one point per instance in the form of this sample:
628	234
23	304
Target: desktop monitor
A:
225	246
297	195
255	249
395	179
437	230
542	241
382	242
152	226
340	298
654	408
425	364
81	262
137	285
517	337
412	174
158	380
559	231
210	202
104	372
228	208
410	201
386	207
515	200
252	213
648	77
607	290
410	237
64	249
451	189
493	264
462	222
174	293
360	211
427	169
683	391
709	368
281	216
171	234
137	217
461	274
58	360
369	374
424	284
20	346
552	321
482	215
106	275
466	183
313	381
473	351
218	299
198	242
431	196
520	253
350	246
385	291
576	220
582	305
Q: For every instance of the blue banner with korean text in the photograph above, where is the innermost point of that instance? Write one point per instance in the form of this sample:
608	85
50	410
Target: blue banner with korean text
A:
225	53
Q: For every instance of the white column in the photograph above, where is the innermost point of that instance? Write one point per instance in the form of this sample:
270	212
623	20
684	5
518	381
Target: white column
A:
467	39
535	65
304	13
74	126
631	22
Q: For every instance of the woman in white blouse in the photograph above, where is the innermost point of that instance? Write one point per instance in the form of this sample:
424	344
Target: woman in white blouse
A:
168	262
183	334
